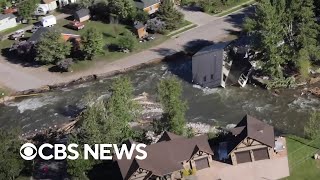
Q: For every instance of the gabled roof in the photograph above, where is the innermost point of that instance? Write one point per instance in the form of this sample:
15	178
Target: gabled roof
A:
254	129
82	12
168	136
165	157
37	35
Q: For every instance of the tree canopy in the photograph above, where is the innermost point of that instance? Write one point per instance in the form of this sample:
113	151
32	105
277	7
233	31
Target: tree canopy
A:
52	48
27	8
171	16
92	43
312	128
285	32
122	9
11	164
174	108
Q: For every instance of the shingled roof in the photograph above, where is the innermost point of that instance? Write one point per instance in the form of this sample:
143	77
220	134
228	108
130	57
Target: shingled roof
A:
254	129
166	156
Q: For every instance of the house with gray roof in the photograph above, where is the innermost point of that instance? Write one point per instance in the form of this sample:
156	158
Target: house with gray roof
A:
82	15
7	21
149	6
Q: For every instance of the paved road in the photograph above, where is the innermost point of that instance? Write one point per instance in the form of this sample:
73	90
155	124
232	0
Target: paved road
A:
18	78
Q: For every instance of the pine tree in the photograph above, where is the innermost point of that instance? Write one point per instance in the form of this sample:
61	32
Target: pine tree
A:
267	26
167	13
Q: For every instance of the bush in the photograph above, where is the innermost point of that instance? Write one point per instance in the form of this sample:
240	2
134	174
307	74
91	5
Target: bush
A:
126	42
312	128
155	25
304	68
281	83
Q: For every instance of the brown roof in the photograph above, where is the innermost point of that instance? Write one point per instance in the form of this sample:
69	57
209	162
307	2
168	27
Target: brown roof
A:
168	136
165	157
254	129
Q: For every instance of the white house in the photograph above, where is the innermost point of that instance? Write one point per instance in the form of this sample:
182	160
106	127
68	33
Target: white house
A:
46	6
7	21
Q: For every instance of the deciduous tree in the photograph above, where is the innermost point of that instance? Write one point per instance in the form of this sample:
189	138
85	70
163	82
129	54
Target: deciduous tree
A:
92	43
11	164
52	48
27	8
170	92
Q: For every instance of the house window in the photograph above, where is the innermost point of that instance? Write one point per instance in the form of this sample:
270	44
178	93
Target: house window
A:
224	77
211	76
204	78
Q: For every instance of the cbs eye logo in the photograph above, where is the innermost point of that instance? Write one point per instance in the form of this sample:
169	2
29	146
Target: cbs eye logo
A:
28	151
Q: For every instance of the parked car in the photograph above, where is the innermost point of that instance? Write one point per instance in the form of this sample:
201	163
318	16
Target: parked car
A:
17	35
76	25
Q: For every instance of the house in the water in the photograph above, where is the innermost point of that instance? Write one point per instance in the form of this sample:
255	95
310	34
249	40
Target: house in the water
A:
82	15
167	158
149	6
7	21
140	30
211	66
251	140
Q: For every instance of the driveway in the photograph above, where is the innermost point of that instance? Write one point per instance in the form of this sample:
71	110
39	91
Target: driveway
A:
196	16
19	78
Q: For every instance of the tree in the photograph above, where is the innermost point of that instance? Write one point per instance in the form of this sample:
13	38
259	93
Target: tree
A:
312	128
156	25
127	41
85	3
169	15
267	26
78	168
121	9
141	16
27	8
92	43
11	164
52	48
170	92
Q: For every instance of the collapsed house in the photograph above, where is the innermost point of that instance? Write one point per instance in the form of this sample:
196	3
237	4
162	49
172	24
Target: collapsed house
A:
211	66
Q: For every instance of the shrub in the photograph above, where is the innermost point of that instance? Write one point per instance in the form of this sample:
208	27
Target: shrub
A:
304	68
127	41
312	128
281	83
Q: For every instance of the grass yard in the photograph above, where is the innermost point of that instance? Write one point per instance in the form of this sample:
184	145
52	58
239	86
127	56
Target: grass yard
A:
231	10
301	163
110	34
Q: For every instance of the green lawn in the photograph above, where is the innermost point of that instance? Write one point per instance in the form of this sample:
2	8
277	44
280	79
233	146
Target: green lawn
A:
231	10
110	34
302	165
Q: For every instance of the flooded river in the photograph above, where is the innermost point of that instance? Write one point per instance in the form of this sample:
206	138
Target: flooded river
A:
287	112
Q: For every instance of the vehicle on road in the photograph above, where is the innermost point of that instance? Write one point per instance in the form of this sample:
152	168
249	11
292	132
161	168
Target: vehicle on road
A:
76	25
48	21
17	34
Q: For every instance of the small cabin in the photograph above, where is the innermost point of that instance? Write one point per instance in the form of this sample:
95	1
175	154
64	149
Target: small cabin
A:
141	30
82	15
209	68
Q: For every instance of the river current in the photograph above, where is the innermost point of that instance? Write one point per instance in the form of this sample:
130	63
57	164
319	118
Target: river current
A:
288	112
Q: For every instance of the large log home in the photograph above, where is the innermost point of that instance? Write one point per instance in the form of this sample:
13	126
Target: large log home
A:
168	158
